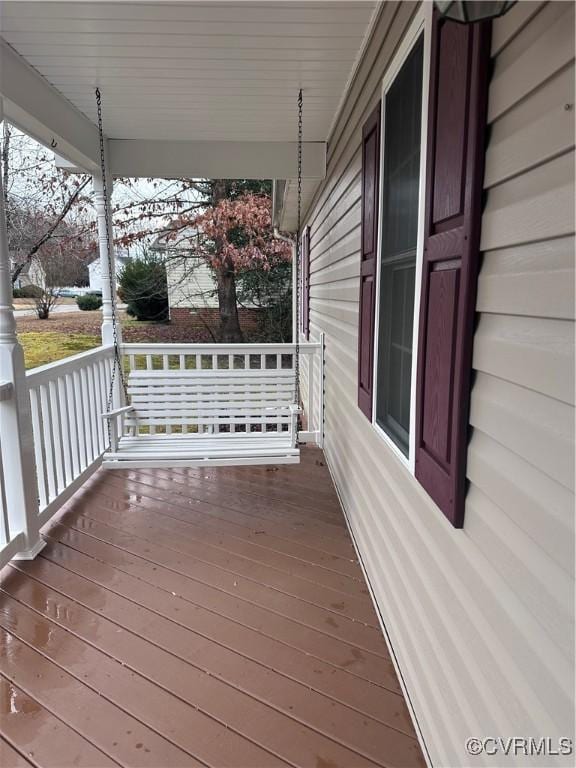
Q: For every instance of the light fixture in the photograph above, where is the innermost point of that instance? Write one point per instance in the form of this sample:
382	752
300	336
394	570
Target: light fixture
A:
469	11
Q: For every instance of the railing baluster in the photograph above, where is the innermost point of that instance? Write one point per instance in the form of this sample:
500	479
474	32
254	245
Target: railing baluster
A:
82	429
106	373
98	423
310	406
39	454
48	447
73	423
99	405
57	435
65	429
88	414
86	403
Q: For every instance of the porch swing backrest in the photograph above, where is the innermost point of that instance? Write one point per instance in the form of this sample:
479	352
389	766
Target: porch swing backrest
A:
210	402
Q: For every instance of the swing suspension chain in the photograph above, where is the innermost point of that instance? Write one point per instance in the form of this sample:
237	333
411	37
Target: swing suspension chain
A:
117	366
297	266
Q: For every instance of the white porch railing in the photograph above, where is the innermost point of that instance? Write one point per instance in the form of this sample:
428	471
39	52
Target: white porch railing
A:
68	397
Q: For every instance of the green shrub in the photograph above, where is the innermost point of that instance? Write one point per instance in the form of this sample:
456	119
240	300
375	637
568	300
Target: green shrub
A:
143	286
89	302
27	292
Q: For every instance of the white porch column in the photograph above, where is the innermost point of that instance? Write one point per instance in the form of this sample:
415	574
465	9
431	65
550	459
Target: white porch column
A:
16	436
107	258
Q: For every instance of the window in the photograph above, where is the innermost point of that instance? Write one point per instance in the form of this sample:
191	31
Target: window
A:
400	191
420	247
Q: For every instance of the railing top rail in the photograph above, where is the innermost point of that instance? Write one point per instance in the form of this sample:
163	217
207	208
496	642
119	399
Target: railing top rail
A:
48	372
218	349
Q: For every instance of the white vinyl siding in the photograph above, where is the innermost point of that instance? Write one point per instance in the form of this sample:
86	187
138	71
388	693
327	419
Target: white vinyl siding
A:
480	620
191	284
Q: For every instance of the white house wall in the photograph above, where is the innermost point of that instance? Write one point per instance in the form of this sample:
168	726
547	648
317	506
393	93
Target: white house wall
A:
480	619
190	285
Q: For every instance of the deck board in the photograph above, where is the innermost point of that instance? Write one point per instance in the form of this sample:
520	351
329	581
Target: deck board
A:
210	627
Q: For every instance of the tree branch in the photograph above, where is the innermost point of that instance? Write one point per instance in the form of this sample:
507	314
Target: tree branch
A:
50	231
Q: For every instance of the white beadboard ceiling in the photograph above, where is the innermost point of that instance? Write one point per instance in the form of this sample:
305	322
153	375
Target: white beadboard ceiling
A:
195	71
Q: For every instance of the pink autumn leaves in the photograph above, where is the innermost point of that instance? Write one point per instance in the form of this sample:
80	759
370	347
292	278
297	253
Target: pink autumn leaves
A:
239	233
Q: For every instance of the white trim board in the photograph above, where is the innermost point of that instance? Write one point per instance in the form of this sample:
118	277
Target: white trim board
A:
215	159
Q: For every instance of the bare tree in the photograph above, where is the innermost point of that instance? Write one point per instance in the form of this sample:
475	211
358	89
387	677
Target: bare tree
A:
39	199
54	265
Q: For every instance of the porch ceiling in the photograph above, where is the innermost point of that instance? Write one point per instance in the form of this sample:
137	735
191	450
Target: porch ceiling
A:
191	71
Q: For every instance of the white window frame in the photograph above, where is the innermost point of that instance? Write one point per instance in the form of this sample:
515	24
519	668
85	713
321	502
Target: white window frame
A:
421	24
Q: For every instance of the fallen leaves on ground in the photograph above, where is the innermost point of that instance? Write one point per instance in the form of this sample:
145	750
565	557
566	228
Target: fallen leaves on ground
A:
66	334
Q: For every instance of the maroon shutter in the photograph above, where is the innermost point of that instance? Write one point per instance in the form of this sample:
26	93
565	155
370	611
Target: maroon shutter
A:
455	166
305	250
368	251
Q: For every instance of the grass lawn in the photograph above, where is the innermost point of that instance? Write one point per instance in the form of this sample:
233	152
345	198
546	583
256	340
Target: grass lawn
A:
41	347
65	334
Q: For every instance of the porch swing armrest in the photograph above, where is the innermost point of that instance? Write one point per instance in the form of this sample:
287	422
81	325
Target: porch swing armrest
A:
117	412
111	417
294	411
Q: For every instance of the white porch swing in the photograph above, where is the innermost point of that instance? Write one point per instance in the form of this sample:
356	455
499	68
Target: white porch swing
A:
204	415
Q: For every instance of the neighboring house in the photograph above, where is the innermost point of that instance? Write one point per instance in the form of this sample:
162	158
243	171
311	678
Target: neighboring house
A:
95	270
192	288
464	518
32	274
191	284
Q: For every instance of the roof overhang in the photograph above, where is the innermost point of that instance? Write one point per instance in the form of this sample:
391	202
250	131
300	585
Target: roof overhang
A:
40	110
189	88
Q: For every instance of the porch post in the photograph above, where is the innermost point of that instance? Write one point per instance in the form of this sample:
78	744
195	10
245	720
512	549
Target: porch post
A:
107	259
16	436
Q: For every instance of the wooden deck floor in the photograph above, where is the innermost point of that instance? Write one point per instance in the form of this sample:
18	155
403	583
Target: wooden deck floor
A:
212	617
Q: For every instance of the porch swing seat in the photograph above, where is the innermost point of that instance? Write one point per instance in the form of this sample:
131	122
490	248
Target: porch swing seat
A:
204	418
